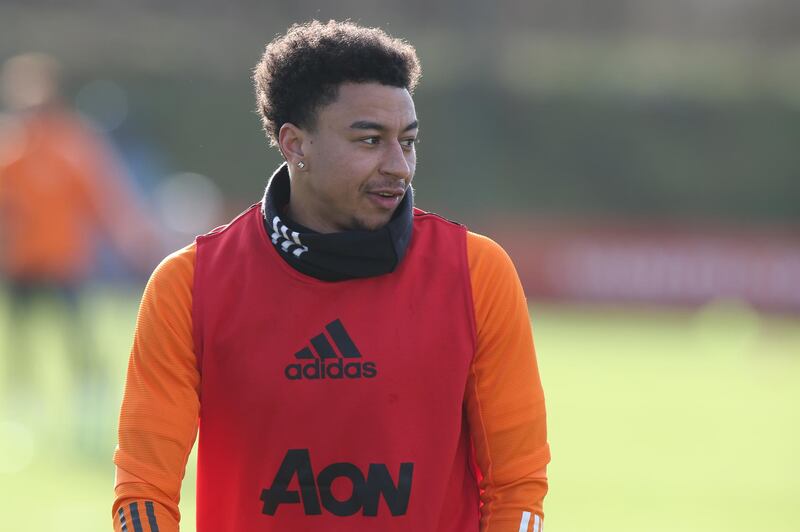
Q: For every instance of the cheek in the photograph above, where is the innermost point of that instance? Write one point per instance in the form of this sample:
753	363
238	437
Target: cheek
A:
411	161
330	162
343	156
355	166
343	170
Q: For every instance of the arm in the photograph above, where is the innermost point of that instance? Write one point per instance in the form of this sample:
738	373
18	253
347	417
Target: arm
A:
160	406
504	399
109	197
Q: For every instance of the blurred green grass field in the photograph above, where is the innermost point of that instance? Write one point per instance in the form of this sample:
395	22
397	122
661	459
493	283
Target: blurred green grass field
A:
659	420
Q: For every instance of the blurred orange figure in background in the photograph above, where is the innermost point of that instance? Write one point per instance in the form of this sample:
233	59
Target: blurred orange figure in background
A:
60	185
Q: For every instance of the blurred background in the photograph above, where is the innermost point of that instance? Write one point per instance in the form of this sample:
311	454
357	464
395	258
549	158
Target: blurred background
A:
637	158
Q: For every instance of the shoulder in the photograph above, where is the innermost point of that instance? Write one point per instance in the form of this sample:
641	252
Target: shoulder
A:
425	217
165	312
495	284
13	143
77	136
174	272
242	219
487	256
432	224
180	262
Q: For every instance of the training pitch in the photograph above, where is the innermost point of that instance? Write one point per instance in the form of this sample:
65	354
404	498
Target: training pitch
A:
659	420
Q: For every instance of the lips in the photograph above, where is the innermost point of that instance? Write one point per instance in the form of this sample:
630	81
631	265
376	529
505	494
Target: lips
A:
387	198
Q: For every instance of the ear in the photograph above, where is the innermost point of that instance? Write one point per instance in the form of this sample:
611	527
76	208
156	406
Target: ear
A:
290	142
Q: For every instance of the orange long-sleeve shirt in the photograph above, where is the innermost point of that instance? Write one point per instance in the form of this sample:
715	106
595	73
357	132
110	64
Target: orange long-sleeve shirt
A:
59	184
504	402
49	197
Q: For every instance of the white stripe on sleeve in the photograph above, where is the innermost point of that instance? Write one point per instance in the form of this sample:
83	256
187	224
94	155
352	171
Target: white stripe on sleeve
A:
523	523
536	523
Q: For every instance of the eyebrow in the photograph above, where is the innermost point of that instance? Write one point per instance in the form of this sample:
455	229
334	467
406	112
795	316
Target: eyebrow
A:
366	124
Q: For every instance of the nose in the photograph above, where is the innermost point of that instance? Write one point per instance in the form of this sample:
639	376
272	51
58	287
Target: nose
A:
396	162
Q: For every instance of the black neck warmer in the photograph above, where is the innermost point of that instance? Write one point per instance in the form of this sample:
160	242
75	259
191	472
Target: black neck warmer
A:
335	256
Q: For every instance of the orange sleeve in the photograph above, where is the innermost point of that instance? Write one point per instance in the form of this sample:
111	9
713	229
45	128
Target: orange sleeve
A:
160	407
504	398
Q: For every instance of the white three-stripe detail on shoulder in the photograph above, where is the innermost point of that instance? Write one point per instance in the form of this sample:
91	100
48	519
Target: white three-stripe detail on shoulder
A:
523	523
536	523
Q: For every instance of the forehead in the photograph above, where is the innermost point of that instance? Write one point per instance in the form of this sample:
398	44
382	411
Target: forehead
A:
391	107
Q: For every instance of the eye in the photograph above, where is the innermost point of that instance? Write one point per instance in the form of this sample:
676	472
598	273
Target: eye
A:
372	141
408	143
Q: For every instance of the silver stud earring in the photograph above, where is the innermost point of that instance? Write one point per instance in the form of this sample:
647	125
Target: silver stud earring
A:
301	165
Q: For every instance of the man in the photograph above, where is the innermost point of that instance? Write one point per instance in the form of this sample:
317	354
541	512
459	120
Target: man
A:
354	363
58	182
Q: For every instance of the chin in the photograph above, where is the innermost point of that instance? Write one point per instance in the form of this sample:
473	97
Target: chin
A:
362	224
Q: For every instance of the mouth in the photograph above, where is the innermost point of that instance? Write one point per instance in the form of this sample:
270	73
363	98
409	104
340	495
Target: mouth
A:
386	198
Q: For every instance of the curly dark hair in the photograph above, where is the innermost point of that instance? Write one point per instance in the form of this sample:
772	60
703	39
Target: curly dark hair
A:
301	71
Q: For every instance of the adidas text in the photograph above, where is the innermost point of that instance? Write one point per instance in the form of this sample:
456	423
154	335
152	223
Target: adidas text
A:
335	369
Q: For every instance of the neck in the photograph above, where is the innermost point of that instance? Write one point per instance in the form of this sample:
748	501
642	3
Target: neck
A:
301	209
337	254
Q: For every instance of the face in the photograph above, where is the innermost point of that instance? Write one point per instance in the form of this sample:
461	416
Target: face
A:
28	82
360	159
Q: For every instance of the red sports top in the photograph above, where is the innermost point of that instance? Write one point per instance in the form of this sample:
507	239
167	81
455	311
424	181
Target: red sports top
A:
387	403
